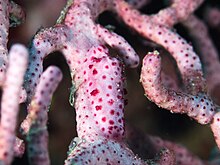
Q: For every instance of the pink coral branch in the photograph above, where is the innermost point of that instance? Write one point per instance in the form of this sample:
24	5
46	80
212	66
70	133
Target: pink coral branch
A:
209	55
178	11
46	41
10	101
187	61
102	151
35	124
4	26
199	107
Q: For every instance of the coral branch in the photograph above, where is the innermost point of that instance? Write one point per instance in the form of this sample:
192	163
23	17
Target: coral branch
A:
35	125
199	107
209	55
187	61
178	11
46	41
10	101
4	26
102	151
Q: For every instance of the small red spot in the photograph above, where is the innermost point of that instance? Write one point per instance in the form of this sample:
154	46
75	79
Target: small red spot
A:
109	87
98	107
90	66
114	63
100	49
106	66
100	99
111	122
94	92
111	101
94	71
112	112
104	77
104	119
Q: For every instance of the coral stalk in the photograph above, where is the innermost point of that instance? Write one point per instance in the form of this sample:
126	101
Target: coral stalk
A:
10	101
35	124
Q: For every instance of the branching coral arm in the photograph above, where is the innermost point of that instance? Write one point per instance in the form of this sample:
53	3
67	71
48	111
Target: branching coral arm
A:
187	61
10	101
35	124
198	107
209	55
4	26
178	11
112	39
7	11
44	42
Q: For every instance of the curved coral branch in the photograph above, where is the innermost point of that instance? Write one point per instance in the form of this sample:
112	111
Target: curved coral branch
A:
102	151
178	11
10	101
187	61
4	26
198	107
35	124
209	54
45	41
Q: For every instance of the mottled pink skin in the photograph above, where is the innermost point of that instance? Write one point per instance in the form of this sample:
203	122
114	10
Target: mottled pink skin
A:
4	26
215	126
97	77
178	11
81	40
10	101
35	124
6	10
209	54
78	32
99	101
45	41
198	107
187	61
103	151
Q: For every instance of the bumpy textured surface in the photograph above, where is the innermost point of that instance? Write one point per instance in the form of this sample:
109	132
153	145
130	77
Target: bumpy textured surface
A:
102	151
187	60
4	26
10	101
208	53
199	107
35	125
